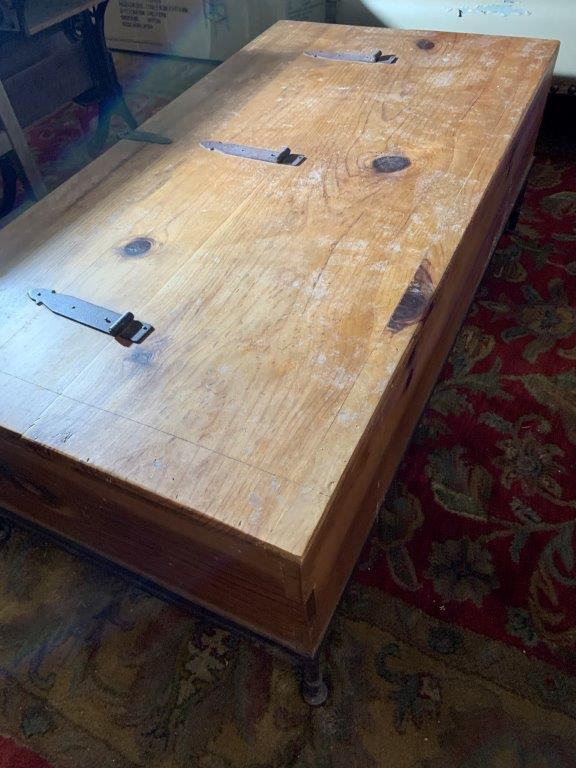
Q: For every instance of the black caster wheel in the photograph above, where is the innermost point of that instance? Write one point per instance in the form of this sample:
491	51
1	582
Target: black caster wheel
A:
314	689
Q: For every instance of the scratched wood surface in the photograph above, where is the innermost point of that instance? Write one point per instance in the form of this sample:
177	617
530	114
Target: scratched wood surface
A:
302	313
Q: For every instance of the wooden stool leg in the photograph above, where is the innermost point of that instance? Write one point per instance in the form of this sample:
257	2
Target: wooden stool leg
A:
20	145
9	181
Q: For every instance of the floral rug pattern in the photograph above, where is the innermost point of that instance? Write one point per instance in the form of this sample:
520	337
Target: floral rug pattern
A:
479	529
454	646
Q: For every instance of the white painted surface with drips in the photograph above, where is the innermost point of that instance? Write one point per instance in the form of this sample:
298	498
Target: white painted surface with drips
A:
552	19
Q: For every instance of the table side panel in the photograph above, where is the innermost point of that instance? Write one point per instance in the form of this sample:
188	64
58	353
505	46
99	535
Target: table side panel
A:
337	543
202	562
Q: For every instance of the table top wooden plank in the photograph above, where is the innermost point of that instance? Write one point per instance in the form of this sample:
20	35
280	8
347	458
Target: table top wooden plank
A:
229	493
271	288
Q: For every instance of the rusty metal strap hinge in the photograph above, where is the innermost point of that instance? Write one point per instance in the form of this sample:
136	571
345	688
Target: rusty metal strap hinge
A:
123	326
372	57
279	157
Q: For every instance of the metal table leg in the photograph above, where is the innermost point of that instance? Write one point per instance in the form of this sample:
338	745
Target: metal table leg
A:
314	688
514	218
108	91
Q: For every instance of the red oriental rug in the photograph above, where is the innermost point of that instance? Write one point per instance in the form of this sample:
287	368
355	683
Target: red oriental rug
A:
455	645
480	527
13	755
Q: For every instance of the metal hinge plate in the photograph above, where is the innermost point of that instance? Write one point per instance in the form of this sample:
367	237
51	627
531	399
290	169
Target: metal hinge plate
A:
372	57
123	326
279	157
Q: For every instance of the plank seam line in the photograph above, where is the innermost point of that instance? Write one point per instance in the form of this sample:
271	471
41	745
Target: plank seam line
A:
60	395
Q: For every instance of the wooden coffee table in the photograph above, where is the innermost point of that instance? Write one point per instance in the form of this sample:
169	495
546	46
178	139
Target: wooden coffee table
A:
238	454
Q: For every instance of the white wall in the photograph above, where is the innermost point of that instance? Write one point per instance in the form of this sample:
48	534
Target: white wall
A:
555	19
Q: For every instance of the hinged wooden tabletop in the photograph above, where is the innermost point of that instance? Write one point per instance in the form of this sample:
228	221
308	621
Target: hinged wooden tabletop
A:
301	312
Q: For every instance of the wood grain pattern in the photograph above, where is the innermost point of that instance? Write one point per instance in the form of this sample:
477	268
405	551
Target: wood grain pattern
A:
302	313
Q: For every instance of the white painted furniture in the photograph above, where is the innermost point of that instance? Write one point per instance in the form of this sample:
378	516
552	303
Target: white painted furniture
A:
552	19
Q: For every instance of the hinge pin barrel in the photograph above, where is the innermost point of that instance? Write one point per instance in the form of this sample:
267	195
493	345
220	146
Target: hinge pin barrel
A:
121	324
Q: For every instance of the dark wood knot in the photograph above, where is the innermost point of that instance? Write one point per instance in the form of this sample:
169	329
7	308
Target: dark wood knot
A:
138	247
416	301
425	45
390	163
